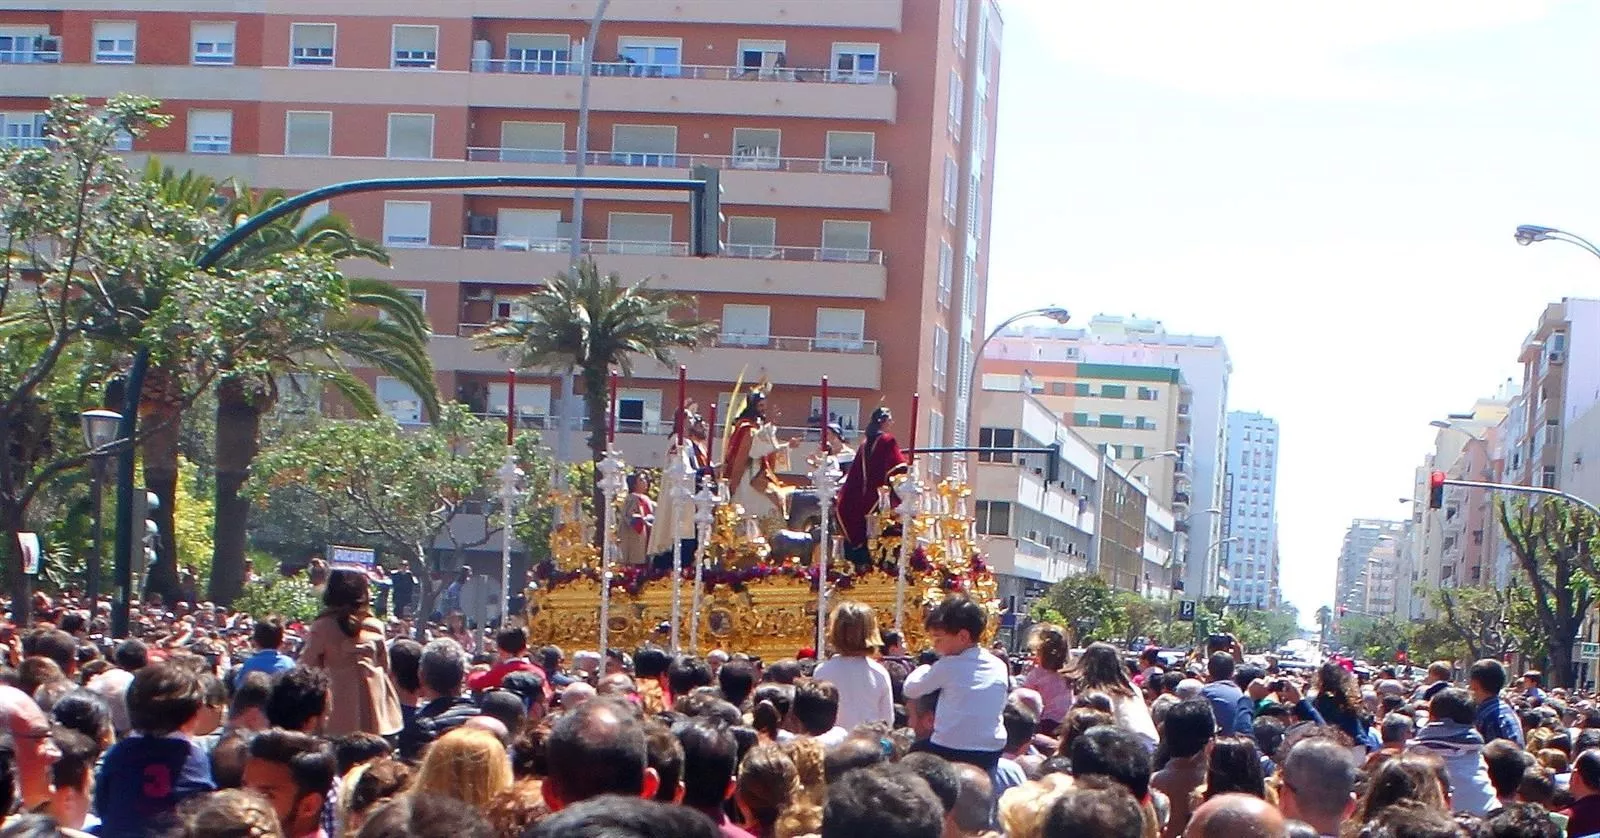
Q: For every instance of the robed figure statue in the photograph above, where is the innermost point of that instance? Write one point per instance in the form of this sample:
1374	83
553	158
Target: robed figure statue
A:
877	460
753	460
674	526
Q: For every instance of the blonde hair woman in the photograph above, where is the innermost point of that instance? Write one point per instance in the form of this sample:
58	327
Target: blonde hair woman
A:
864	692
770	798
468	764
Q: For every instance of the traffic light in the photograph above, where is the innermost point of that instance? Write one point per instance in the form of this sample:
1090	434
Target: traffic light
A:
1435	490
707	227
143	553
1343	609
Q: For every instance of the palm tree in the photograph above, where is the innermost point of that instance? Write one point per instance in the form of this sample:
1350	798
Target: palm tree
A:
595	323
1325	623
393	339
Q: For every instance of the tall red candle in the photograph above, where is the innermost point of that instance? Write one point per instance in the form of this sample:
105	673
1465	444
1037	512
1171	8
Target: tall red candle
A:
511	406
711	435
611	419
824	413
682	418
911	439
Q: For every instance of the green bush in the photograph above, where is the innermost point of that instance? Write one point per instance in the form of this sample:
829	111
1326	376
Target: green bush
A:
294	599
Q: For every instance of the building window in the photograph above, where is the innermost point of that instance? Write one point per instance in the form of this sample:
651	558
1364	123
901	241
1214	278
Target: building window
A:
745	325
1111	420
1058	388
841	329
652	57
399	401
22	130
850	151
846	241
1081	388
532	142
212	43
941	356
756	148
1113	391
1547	477
122	141
846	412
311	44
1080	420
410	136
764	58
996	438
639	233
211	132
1138	452
1148	394
952	188
955	103
29	45
752	237
974	206
308	133
310	215
539	54
406	223
947	270
115	42
855	63
936	435
959	24
993	517
416	47
418	296
644	145
1143	424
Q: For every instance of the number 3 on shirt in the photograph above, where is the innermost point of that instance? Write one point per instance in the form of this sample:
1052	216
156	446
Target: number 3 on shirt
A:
157	781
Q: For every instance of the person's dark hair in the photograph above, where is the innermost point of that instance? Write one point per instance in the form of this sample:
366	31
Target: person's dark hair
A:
597	748
736	679
56	645
404	656
687	672
346	600
1452	704
710	761
85	712
131	655
664	753
1587	766
1099	669
786	671
769	706
1246	673
228	757
1588	739
1410	819
1538	785
549	659
76	763
268	632
1234	765
505	706
939	774
1220	666
623	817
1522	820
651	661
1268	733
853	753
1506	764
73	622
298	695
1190	725
163	698
528	686
1114	752
443	666
1489	674
1020	723
309	760
1081	720
1170	681
893	638
253	691
1336	690
957	614
884	801
512	640
424	815
1096	806
353	749
384	779
816	707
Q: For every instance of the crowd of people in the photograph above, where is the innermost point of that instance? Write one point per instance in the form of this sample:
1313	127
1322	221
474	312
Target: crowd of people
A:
339	727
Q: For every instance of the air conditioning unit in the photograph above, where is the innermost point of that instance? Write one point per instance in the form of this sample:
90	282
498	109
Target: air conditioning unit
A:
480	225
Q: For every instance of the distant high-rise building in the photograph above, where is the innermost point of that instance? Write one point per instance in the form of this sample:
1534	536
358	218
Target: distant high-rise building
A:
1351	579
1250	547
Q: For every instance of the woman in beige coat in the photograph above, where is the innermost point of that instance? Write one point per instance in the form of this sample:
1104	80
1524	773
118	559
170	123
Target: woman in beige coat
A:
348	643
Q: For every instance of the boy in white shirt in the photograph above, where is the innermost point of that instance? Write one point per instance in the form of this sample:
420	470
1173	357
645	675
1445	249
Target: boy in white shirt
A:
972	684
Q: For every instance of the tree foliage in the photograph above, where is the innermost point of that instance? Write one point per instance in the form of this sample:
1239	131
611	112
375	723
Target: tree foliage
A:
1554	544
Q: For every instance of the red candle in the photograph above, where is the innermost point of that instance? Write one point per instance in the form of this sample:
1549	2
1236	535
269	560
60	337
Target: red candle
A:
611	424
711	435
911	447
824	413
683	402
511	406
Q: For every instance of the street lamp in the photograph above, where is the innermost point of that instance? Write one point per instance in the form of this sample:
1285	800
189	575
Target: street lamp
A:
1164	455
1529	233
99	434
1056	313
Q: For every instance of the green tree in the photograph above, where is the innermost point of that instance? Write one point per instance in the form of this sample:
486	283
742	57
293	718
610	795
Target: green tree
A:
1084	605
1472	623
1375	639
1324	625
1554	544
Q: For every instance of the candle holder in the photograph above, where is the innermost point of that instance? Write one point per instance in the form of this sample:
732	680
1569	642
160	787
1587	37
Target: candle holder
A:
911	495
679	480
706	502
612	484
510	488
826	478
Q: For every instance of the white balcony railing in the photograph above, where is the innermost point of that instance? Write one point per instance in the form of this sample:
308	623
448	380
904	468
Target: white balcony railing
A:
28	56
552	67
673	160
656	248
781	343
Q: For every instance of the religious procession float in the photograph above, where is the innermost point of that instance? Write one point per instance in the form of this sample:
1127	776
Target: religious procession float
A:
750	548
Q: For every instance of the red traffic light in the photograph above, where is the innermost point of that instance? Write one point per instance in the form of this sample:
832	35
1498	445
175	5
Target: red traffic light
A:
1435	490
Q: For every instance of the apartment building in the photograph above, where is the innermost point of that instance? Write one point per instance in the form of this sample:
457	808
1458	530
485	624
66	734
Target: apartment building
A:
1457	543
1200	432
1560	392
855	138
1249	544
1351	580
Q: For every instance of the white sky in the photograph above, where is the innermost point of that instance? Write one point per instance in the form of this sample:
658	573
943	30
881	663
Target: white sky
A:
1332	187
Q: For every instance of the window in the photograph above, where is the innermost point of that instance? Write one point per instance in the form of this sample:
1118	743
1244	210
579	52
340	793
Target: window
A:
841	329
406	223
1080	388
936	437
512	309
1148	394
745	325
644	145
652	57
969	284
638	411
308	133
955	103
533	400
29	45
312	213
533	142
1547	478
959	24
1138	452
211	132
311	44
22	130
416	47
1111	420
952	188
993	517
844	411
947	269
411	136
115	41
1080	420
298	392
122	141
752	237
418	296
855	63
764	58
1058	388
756	148
212	43
1113	391
974	206
941	356
399	401
545	55
529	230
638	232
996	438
850	151
1143	424
846	241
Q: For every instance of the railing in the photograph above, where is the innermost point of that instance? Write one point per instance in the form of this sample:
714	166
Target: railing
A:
658	248
544	66
17	56
782	343
838	164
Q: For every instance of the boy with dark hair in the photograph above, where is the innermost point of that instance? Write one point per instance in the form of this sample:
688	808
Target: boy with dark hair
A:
884	801
737	679
710	768
1495	718
146	776
685	673
294	772
968	725
69	775
404	656
816	708
267	636
512	645
299	700
248	709
650	664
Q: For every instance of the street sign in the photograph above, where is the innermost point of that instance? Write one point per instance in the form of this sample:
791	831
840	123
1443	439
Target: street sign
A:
30	552
1186	610
352	558
1589	650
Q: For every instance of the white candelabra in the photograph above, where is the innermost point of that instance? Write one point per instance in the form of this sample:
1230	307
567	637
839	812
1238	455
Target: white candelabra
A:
679	480
826	478
911	494
705	511
612	484
510	483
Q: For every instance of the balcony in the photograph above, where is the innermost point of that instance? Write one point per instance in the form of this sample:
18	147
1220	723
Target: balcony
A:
792	271
1180	500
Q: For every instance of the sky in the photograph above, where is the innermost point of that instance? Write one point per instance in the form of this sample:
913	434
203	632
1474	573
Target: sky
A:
1331	187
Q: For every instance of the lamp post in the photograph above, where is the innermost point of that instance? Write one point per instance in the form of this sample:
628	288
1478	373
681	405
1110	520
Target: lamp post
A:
1056	313
1215	549
99	433
1529	233
1163	455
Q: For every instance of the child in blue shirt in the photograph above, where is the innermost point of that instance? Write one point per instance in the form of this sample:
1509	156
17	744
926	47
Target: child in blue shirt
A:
146	776
972	686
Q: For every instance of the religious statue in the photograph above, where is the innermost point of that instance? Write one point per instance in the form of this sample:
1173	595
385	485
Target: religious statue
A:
638	517
674	528
877	461
754	457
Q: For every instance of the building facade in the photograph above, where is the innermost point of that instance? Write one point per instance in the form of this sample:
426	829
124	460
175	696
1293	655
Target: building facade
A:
823	117
1556	445
1351	579
1250	545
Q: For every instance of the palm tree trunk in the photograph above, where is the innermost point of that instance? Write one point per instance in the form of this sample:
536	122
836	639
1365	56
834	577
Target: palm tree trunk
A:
238	441
159	452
